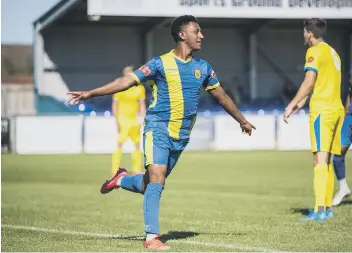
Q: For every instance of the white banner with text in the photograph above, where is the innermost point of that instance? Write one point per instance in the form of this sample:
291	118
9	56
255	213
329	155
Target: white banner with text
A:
288	9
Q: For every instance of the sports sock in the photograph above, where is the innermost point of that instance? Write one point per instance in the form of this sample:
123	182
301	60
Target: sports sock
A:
151	205
132	183
339	166
150	236
320	184
116	159
329	187
136	161
343	184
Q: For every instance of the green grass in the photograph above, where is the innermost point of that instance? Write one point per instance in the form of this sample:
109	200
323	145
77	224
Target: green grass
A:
238	201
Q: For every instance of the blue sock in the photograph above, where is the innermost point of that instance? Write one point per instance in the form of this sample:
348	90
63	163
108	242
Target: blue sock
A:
339	166
132	183
151	205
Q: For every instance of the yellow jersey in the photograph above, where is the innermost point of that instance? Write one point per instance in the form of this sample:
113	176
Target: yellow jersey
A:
323	60
128	102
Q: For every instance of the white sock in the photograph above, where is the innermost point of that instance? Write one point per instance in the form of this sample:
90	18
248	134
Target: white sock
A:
118	183
343	184
151	237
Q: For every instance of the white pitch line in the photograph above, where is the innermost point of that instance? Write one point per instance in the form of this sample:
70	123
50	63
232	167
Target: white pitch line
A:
116	236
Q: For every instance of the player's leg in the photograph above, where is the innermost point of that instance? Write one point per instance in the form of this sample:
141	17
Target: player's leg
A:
133	183
321	156
136	154
121	139
339	161
156	153
321	175
335	148
178	147
157	176
340	171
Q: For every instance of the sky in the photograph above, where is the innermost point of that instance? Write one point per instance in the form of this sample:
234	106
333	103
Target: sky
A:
17	17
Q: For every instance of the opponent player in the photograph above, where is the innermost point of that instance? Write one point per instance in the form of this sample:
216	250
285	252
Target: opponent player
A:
323	77
129	108
177	79
346	140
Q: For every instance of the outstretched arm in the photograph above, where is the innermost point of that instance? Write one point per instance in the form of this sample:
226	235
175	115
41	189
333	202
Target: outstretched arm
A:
119	84
226	102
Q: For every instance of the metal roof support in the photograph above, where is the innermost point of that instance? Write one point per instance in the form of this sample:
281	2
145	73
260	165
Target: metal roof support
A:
38	42
38	48
149	38
253	57
58	13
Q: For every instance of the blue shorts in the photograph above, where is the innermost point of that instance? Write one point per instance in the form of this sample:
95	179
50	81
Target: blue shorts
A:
160	148
346	131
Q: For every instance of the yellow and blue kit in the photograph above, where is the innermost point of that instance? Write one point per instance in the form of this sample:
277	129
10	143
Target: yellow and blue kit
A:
326	109
172	111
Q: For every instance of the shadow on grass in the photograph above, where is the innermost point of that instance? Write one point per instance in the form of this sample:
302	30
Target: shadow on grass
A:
175	235
346	202
171	235
303	211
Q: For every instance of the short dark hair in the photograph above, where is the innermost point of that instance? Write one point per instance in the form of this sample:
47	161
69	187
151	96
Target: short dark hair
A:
316	26
178	22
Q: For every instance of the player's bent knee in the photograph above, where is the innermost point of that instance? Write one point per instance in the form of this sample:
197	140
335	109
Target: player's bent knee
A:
157	173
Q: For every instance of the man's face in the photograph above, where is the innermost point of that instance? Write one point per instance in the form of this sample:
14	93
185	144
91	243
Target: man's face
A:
192	36
307	36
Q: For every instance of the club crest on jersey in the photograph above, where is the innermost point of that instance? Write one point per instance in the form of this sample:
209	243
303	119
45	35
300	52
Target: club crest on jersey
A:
212	74
197	74
311	59
146	71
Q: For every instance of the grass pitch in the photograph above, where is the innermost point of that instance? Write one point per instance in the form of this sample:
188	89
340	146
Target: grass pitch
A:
216	201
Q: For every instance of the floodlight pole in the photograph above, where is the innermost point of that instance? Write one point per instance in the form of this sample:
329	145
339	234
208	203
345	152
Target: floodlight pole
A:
253	46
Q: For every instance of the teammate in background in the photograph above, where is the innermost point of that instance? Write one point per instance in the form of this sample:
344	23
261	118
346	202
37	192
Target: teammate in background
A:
323	77
346	140
128	108
177	79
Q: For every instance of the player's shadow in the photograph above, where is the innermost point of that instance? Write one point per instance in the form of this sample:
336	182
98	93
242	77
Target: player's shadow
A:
171	235
346	202
303	211
176	235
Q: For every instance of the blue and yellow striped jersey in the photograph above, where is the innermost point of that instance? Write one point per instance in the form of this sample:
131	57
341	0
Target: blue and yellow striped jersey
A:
176	89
